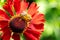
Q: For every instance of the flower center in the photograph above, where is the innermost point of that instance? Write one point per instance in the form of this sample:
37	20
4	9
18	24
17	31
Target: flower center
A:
17	24
20	22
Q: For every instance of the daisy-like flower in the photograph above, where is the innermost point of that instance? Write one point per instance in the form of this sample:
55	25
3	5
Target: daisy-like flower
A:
17	17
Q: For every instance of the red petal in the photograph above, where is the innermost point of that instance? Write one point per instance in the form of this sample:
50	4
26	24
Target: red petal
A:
34	30
3	19
4	15
3	24
8	7
24	0
32	9
20	6
9	1
38	18
23	5
6	34
17	5
39	27
29	36
16	36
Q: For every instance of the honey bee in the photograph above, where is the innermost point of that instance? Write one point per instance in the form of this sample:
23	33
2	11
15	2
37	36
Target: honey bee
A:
25	16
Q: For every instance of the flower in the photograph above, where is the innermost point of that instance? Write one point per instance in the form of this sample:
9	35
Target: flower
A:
19	17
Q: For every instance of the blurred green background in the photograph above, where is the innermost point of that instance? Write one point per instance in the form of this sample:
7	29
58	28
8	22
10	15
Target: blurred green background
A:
51	9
